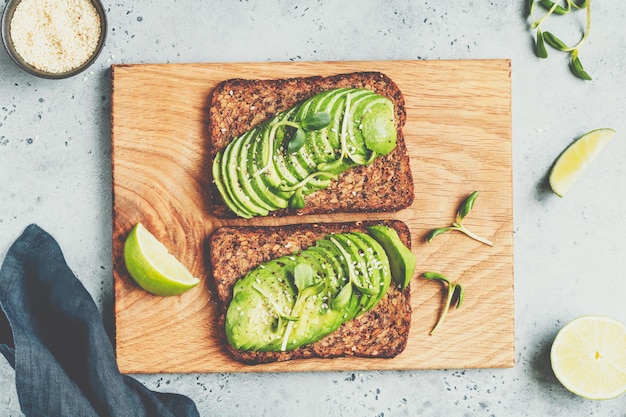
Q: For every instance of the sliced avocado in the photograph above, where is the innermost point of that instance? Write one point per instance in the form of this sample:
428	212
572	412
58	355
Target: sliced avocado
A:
294	162
401	260
309	106
362	105
319	143
239	190
334	317
252	316
269	312
353	306
260	182
284	167
377	265
361	127
245	323
223	187
332	269
363	287
315	318
379	130
219	183
361	151
275	175
359	99
372	276
336	108
255	195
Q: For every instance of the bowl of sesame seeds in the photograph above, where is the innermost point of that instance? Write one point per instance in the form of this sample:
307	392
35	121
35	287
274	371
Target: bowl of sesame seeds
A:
54	38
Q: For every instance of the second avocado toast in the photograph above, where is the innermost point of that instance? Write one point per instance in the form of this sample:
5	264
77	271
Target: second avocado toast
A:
380	331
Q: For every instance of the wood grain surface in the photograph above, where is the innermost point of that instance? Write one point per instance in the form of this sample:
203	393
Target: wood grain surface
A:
458	134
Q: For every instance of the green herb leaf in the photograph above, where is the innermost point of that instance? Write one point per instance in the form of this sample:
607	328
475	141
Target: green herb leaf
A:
303	276
558	9
530	7
577	68
316	121
296	141
555	42
436	276
297	200
454	296
312	290
277	324
540	47
303	294
436	232
458	295
466	206
343	297
543	38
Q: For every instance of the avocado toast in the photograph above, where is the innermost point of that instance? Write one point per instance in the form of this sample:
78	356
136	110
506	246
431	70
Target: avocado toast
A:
378	328
241	112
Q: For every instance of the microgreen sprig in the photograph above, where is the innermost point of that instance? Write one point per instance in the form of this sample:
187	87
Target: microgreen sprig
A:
457	225
352	274
455	295
315	121
343	297
277	310
545	37
303	279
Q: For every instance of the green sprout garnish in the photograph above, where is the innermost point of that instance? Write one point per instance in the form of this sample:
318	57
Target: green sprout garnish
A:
315	121
545	37
304	280
455	295
457	225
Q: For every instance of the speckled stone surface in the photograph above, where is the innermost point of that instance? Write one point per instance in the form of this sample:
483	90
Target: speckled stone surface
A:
55	170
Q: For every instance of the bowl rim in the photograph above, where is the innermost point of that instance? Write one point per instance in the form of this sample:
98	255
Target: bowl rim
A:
7	16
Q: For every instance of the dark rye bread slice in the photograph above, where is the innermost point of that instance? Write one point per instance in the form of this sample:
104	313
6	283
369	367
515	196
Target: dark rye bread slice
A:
386	185
380	333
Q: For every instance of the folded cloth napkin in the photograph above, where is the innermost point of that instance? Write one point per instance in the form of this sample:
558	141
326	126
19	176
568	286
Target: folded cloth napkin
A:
52	334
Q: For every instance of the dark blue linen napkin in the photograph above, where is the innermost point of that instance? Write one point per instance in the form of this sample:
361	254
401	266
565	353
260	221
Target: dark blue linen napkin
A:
51	332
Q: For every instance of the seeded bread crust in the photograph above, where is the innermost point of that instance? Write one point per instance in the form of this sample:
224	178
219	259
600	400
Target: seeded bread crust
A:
386	185
380	333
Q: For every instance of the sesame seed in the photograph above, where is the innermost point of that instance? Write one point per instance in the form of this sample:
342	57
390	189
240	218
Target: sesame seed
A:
55	35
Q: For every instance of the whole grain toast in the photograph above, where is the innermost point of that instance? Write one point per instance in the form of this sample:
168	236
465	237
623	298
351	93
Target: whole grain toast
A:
381	332
237	105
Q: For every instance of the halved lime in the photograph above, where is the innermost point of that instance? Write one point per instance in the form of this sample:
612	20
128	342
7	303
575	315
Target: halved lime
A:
571	164
589	357
153	267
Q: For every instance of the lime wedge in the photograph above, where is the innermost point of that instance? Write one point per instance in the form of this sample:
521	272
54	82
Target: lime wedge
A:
152	267
571	164
588	357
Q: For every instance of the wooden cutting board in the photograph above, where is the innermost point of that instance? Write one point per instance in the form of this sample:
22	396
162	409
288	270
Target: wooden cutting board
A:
458	134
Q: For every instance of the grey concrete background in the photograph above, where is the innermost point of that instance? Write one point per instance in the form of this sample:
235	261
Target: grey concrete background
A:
55	170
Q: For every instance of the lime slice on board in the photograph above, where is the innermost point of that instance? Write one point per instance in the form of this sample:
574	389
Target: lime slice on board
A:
153	267
575	159
588	357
